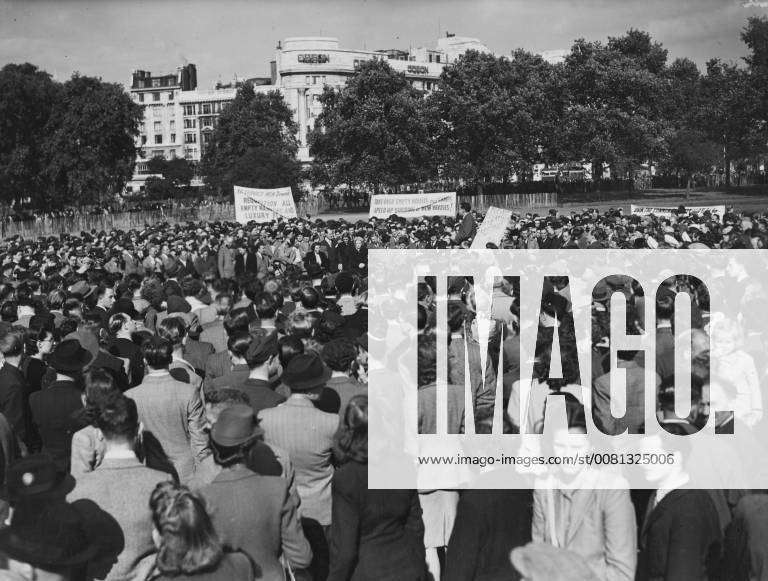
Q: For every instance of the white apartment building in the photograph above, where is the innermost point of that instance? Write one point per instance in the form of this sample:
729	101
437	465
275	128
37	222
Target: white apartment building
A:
303	66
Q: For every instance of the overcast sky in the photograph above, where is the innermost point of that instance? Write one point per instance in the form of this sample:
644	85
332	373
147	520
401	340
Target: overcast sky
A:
110	38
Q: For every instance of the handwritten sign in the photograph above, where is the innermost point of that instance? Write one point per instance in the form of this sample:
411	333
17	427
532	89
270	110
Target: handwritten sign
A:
413	205
257	205
493	228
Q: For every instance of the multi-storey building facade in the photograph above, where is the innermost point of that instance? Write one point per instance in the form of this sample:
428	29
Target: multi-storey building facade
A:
179	118
305	65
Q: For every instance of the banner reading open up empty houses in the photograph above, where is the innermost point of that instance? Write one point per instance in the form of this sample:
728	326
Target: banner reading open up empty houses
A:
413	205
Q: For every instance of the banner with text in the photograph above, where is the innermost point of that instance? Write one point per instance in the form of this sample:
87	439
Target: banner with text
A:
413	205
257	205
493	228
669	211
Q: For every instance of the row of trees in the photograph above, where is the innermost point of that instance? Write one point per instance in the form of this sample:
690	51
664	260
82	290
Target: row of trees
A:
619	102
63	143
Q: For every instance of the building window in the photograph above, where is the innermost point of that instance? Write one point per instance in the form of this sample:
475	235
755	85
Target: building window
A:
189	123
158	139
141	97
189	109
173	125
158	154
206	122
158	126
437	58
155	82
206	108
190	138
143	139
155	96
170	96
172	154
173	138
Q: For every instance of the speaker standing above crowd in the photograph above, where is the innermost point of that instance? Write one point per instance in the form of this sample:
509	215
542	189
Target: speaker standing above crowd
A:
189	401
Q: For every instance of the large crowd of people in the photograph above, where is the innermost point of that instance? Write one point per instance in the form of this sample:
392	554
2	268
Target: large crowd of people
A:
189	401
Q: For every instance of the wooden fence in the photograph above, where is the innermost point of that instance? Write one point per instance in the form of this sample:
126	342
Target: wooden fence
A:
53	225
482	202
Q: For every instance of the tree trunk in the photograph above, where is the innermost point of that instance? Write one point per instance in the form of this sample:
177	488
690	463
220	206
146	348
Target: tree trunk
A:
597	173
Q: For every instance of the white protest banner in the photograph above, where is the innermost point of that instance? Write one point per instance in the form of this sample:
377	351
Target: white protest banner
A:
493	228
257	205
413	205
669	211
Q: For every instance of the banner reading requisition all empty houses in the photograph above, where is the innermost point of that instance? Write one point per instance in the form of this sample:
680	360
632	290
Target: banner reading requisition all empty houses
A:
413	205
258	205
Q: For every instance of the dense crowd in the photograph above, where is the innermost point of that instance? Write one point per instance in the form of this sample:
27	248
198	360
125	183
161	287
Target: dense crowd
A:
190	402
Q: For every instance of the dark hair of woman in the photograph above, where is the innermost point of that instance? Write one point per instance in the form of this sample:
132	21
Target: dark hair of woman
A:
172	329
351	439
287	348
189	543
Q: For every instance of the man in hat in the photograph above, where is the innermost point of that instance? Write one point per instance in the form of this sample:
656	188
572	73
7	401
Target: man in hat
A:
251	512
171	412
306	434
262	361
53	409
46	540
120	487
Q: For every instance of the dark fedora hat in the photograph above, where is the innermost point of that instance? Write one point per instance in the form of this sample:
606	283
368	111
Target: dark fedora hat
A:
236	425
47	535
305	372
36	478
69	356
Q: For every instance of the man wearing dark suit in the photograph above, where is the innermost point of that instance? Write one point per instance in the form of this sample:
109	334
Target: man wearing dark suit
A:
54	409
634	417
681	536
12	384
467	227
102	359
261	359
316	263
105	299
257	262
328	247
375	534
488	525
355	258
197	353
